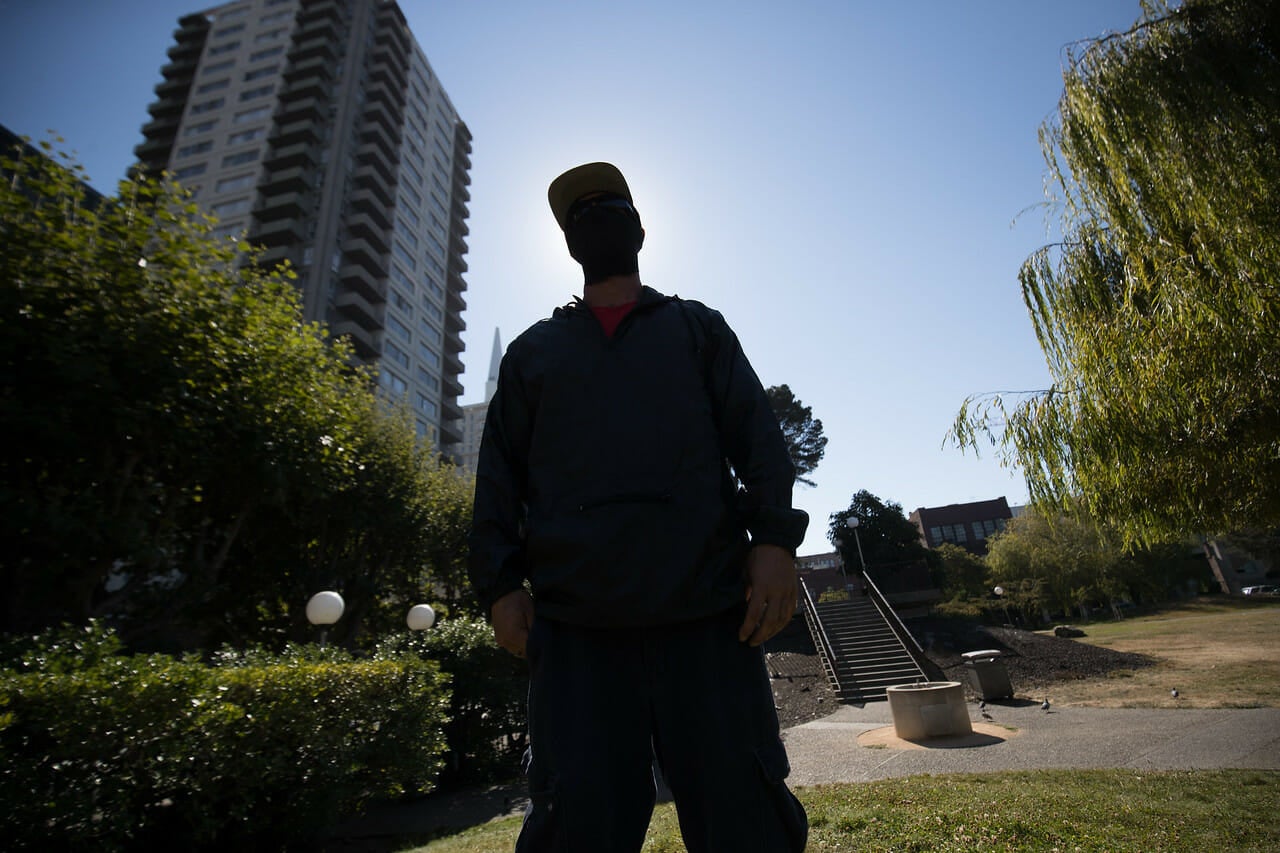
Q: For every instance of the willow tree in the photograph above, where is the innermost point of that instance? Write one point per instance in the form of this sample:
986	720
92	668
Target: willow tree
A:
1159	311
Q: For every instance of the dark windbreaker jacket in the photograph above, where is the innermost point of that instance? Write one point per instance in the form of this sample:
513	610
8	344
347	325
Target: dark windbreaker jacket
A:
602	476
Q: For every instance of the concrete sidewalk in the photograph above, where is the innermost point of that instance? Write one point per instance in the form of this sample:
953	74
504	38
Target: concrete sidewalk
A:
857	744
1020	736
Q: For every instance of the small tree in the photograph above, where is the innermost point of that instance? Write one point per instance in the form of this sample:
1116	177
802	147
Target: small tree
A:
802	430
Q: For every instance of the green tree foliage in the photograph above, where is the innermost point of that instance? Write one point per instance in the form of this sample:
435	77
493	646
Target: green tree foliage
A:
1158	312
889	540
960	573
1066	562
183	454
801	429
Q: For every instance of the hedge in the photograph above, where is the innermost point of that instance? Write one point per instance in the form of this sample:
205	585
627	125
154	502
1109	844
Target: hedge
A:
106	752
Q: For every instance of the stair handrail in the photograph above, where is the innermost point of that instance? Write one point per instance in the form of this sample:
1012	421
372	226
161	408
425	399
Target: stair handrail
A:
811	610
899	628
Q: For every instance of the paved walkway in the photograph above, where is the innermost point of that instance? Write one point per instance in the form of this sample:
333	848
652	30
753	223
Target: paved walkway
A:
858	744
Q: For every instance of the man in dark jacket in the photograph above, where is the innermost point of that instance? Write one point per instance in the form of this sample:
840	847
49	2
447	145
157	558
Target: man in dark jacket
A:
615	549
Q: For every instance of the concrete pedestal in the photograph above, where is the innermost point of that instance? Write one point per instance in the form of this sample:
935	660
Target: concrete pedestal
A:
929	709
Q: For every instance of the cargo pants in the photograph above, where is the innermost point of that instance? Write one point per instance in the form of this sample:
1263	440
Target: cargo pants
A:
603	703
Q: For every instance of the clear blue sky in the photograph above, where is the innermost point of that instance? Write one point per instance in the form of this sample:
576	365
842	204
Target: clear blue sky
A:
842	179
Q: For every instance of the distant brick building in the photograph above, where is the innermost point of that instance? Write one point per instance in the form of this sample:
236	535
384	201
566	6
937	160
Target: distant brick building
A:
967	525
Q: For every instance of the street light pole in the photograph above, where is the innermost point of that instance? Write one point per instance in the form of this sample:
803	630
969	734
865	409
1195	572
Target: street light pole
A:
852	523
999	591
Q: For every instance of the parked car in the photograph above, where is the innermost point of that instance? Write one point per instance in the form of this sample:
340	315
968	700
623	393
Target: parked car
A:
1263	589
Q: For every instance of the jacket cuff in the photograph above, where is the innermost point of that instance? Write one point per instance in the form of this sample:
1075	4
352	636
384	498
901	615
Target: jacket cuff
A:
490	595
779	526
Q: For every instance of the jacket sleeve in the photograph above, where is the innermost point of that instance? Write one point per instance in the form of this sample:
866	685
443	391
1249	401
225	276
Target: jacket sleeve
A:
752	441
496	563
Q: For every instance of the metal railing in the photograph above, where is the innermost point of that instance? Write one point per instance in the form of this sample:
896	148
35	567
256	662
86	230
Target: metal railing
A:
819	634
927	668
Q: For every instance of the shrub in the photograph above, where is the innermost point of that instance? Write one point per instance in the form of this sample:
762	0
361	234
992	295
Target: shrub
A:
125	751
487	711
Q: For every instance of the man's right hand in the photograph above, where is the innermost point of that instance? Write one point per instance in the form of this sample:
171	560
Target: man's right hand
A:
512	617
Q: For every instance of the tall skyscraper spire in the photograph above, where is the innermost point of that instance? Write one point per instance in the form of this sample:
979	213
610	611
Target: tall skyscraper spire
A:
495	361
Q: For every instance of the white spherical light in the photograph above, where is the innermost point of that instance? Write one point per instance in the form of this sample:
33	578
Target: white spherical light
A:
999	590
421	617
325	608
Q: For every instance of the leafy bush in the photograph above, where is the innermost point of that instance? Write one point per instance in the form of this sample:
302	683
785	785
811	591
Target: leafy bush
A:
122	751
487	712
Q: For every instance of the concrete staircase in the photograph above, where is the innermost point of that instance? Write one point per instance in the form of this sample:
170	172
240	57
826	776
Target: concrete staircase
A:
861	652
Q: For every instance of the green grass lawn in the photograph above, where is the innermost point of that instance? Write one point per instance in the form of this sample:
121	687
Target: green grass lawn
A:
1058	810
1227	648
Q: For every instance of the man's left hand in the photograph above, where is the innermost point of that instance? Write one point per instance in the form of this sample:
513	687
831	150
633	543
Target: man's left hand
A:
771	593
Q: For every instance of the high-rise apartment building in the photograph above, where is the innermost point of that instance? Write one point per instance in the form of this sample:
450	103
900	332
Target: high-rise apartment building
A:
318	128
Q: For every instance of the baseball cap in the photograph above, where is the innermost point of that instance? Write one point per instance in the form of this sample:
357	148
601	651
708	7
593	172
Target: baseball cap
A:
581	180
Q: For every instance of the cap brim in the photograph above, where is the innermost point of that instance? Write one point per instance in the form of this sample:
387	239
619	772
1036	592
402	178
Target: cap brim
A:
579	181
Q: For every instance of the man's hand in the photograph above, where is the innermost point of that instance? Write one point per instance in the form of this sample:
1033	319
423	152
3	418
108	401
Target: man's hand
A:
512	617
771	593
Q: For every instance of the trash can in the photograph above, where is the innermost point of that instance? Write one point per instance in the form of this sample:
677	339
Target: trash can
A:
987	674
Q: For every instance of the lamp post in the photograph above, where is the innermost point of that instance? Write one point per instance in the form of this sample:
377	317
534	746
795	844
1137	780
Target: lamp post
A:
999	591
852	523
421	617
323	610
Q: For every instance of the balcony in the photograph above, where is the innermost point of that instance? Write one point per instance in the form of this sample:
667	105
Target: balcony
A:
166	127
312	85
319	46
282	232
368	202
359	279
364	342
322	26
376	112
352	305
316	65
372	155
275	256
280	205
296	109
294	178
369	179
363	225
155	151
166	108
325	8
299	154
294	132
185	67
364	254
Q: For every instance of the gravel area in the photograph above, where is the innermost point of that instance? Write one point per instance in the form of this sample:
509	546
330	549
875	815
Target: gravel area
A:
1034	661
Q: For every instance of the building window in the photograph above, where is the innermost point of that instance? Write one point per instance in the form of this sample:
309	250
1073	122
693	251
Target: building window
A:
197	148
246	136
275	16
231	208
223	48
398	329
251	115
259	73
250	94
268	36
237	182
400	302
429	332
226	31
214	67
190	171
241	158
200	127
403	254
258	56
207	106
396	354
427	407
429	356
213	86
391	382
